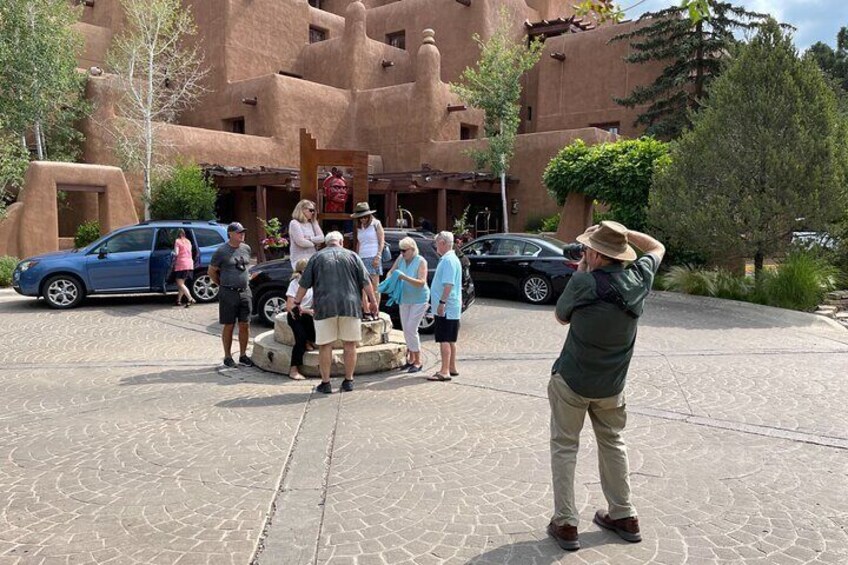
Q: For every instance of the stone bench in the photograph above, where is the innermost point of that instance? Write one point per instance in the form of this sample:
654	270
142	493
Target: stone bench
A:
382	349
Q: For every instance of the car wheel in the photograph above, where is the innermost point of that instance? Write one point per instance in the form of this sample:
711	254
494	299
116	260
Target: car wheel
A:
427	325
63	292
203	289
271	304
536	289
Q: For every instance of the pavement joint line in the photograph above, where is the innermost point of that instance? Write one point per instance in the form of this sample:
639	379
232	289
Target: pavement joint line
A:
108	365
272	508
325	481
774	432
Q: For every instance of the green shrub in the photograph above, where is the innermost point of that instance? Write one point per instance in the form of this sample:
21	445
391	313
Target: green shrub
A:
732	287
7	265
186	195
86	233
691	280
551	223
799	283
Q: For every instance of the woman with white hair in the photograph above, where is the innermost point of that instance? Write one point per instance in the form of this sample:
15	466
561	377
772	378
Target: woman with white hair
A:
411	270
304	231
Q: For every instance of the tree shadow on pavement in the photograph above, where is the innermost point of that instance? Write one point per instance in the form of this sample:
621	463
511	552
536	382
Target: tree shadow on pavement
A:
541	552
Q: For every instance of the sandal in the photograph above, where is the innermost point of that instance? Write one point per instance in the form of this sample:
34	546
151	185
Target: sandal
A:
454	374
438	377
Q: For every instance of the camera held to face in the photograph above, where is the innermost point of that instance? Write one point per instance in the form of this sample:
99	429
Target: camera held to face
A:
573	251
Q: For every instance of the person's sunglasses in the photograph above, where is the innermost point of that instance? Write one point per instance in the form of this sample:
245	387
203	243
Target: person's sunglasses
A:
310	209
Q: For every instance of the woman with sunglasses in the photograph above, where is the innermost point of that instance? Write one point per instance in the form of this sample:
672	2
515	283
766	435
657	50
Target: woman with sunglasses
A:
304	231
414	299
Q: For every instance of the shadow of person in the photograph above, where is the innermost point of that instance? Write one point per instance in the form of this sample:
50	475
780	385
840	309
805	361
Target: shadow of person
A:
265	401
542	551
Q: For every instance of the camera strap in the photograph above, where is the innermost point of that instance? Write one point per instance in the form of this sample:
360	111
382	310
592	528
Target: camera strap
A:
607	292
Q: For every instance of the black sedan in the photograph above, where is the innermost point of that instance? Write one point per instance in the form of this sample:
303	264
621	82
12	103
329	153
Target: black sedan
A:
527	264
270	280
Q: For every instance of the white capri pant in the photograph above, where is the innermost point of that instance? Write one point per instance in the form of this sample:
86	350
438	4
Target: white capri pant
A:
410	317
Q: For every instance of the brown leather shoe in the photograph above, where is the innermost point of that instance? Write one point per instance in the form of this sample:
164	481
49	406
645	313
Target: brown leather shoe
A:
626	528
565	536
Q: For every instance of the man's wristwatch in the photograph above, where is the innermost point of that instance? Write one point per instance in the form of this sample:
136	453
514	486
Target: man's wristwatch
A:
442	302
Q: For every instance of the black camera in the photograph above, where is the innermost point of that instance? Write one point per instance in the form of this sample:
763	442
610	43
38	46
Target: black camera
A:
573	251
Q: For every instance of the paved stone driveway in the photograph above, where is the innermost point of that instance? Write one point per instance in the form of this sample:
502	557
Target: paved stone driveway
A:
122	441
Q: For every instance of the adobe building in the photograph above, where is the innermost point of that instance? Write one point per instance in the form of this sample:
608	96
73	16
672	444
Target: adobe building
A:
372	76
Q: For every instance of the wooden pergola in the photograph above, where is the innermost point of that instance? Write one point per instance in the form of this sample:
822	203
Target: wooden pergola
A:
552	28
390	185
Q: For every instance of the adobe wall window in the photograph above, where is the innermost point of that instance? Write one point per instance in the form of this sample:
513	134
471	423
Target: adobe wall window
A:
315	3
529	113
234	125
317	34
612	127
467	131
397	39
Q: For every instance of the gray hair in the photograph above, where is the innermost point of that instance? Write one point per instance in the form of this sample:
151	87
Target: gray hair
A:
333	236
445	236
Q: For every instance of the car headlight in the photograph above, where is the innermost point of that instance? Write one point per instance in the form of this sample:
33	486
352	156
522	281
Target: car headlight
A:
24	265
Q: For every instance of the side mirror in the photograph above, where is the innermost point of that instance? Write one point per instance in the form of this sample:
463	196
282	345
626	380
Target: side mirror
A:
102	252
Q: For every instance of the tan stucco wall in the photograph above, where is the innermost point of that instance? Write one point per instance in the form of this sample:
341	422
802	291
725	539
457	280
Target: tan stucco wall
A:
32	226
97	40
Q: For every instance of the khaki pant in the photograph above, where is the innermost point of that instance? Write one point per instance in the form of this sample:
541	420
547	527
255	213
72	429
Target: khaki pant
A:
608	415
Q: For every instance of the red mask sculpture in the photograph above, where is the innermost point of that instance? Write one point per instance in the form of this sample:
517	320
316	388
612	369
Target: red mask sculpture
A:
336	193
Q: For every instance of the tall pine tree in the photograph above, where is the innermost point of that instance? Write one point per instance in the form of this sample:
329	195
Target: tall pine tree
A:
765	157
693	52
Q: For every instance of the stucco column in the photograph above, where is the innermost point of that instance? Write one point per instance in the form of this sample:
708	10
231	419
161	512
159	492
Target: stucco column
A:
575	217
354	41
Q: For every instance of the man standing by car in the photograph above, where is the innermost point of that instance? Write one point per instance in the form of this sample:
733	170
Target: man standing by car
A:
228	269
446	303
337	278
602	302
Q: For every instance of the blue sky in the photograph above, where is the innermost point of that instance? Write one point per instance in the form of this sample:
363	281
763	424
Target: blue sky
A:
814	20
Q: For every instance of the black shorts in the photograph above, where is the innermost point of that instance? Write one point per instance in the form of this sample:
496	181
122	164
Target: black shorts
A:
233	305
446	331
185	275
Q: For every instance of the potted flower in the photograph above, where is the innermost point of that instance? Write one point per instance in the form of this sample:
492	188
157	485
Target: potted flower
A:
274	244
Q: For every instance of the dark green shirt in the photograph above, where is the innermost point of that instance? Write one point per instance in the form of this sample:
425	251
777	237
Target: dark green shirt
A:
336	277
597	351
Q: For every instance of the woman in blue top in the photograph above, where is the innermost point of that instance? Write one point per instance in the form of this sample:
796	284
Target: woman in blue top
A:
414	301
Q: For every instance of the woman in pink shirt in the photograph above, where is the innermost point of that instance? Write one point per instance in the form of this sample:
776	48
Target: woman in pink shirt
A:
183	267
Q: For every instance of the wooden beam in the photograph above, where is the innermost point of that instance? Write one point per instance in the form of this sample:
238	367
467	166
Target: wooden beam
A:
80	188
457	107
252	179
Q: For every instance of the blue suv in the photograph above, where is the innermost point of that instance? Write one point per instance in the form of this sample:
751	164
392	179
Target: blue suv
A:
130	260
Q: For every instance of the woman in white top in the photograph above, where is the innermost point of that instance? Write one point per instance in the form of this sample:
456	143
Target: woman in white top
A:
304	231
301	322
370	240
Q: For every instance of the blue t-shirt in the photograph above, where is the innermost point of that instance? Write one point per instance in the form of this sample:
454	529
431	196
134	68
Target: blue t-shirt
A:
449	271
411	293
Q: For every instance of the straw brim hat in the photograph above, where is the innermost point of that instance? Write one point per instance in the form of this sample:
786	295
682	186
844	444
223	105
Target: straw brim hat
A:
609	239
361	210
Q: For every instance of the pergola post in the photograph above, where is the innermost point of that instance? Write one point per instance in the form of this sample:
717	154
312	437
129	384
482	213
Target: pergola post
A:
261	214
442	210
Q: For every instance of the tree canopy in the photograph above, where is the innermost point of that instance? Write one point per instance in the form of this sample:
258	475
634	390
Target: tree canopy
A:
41	92
693	53
766	157
618	174
833	61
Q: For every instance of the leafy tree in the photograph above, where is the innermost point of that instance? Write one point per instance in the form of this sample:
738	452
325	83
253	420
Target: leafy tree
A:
160	76
833	61
495	87
186	195
692	52
14	159
40	89
618	174
607	10
766	157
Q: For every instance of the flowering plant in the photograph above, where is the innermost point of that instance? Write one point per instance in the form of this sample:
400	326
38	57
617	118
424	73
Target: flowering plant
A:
273	235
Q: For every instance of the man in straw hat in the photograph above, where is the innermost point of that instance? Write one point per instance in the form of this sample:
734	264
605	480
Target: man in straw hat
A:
602	303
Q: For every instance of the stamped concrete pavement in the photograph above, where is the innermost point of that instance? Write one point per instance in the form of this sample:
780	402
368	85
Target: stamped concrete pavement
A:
122	441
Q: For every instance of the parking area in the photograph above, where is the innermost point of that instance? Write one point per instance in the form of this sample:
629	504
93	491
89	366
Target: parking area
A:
122	440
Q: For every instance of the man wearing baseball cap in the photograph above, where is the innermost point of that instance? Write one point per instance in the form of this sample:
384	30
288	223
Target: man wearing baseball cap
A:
228	269
602	303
